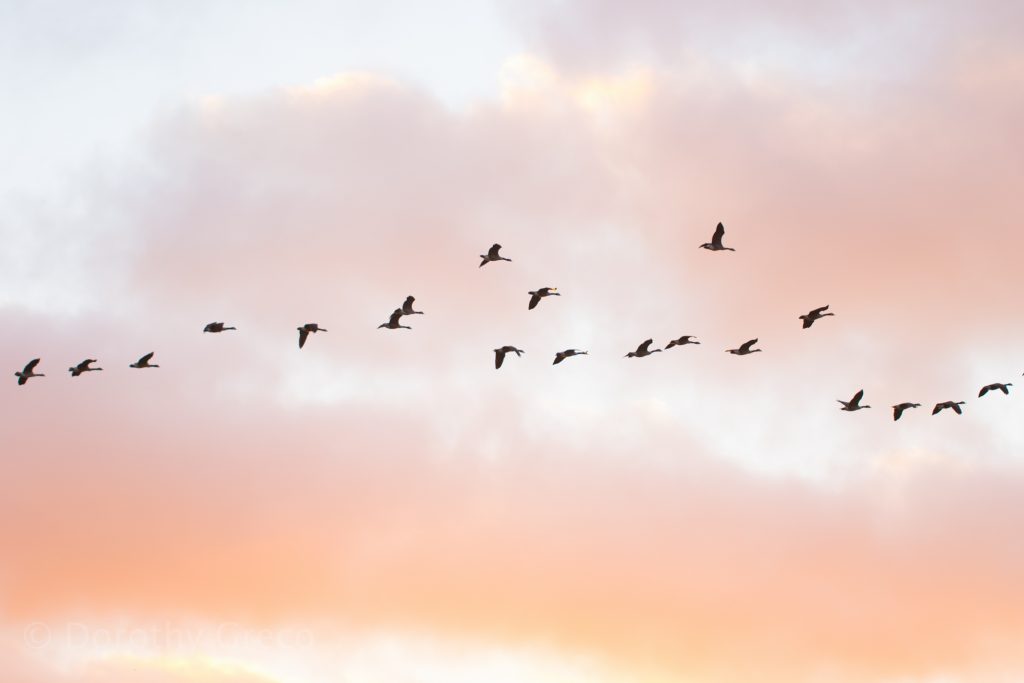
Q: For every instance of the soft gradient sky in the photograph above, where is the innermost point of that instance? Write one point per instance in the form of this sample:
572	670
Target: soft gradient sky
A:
384	506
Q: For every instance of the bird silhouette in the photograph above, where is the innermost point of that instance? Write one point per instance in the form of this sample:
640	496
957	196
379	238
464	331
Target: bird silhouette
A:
816	314
955	405
744	349
407	307
643	350
997	386
536	296
144	362
854	403
716	240
306	330
393	322
28	372
897	410
499	354
568	353
492	255
682	341
84	366
216	327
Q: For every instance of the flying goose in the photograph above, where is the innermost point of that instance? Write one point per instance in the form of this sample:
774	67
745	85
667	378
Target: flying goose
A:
499	354
816	314
216	327
744	349
562	355
854	403
28	372
955	405
392	323
492	255
84	366
407	307
682	341
897	410
996	386
305	330
144	362
535	297
643	350
716	240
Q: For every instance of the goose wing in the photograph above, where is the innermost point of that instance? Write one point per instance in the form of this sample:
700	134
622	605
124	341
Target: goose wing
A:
716	239
407	306
396	315
499	358
644	347
897	411
745	348
857	397
492	253
534	300
303	334
30	366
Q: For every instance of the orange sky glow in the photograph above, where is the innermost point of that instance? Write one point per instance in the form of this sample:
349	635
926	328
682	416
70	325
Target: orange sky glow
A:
384	505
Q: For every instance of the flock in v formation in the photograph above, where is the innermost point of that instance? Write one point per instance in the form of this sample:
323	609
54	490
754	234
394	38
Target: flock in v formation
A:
394	323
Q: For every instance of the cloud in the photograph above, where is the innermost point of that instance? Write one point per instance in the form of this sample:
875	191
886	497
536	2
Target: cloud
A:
686	513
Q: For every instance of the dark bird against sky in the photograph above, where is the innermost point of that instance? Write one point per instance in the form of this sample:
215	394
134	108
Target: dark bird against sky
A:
144	362
84	366
539	294
492	255
28	372
716	240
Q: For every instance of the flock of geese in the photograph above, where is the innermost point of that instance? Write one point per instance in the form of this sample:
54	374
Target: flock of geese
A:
643	350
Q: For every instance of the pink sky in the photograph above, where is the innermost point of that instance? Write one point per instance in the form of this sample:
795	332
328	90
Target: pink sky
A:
687	517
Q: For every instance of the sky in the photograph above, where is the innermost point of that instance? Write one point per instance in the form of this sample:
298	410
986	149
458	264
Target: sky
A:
384	505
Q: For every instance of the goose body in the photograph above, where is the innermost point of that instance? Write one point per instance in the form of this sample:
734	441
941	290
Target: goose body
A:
716	240
954	405
744	349
499	354
492	255
568	353
536	296
996	386
216	328
393	322
643	350
144	362
682	341
84	366
897	410
816	314
854	403
306	330
28	372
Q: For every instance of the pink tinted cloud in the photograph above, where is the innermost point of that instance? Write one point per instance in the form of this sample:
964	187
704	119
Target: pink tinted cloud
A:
456	499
